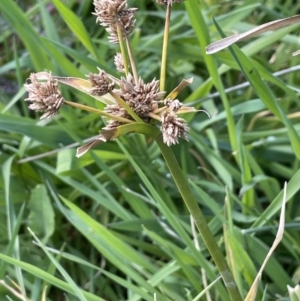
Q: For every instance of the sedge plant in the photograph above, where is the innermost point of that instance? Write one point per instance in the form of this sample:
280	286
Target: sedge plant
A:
132	105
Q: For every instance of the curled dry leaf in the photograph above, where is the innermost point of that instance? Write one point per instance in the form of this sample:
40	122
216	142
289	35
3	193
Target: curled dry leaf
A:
226	42
178	89
105	135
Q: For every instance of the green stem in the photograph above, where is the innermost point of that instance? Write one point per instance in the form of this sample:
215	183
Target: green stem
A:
122	48
199	220
96	111
132	62
165	50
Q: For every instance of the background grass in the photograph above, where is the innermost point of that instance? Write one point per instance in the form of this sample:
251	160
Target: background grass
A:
115	214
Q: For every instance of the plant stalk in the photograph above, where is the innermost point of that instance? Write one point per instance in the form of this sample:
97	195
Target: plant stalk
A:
96	111
122	48
163	68
199	220
132	62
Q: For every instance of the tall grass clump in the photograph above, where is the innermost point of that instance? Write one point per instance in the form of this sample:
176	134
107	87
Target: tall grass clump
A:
160	201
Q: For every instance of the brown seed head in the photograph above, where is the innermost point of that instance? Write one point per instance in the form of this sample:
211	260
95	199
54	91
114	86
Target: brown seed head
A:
107	10
142	98
174	105
126	23
45	96
100	83
113	14
173	127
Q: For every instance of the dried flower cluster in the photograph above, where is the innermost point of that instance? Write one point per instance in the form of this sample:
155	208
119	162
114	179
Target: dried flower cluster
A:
131	95
101	84
113	15
173	127
144	100
45	96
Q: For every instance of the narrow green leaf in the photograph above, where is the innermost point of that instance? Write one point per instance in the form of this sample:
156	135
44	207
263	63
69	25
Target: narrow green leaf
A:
45	135
37	272
77	27
265	93
26	32
41	215
292	188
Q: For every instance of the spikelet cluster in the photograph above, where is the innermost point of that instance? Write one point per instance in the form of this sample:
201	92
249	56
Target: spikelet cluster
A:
114	15
44	96
144	99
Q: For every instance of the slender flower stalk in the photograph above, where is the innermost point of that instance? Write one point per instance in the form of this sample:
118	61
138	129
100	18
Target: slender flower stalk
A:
199	220
96	111
132	62
123	51
163	69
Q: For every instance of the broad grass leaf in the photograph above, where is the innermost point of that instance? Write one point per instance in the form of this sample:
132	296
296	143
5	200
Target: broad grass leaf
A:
77	27
240	258
47	136
119	253
246	174
41	215
26	32
67	162
101	195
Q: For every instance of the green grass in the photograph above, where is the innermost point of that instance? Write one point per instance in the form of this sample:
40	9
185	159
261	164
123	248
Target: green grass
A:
112	224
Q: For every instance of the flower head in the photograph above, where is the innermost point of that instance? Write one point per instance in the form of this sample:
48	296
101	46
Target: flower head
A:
45	96
107	10
173	127
100	83
145	100
114	14
174	105
142	98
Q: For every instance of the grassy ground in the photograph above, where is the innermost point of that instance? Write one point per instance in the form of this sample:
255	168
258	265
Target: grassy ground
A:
112	225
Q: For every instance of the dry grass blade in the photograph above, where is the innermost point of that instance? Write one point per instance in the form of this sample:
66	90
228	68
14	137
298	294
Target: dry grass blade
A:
252	292
224	43
104	136
15	291
178	89
44	295
294	292
296	53
201	294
